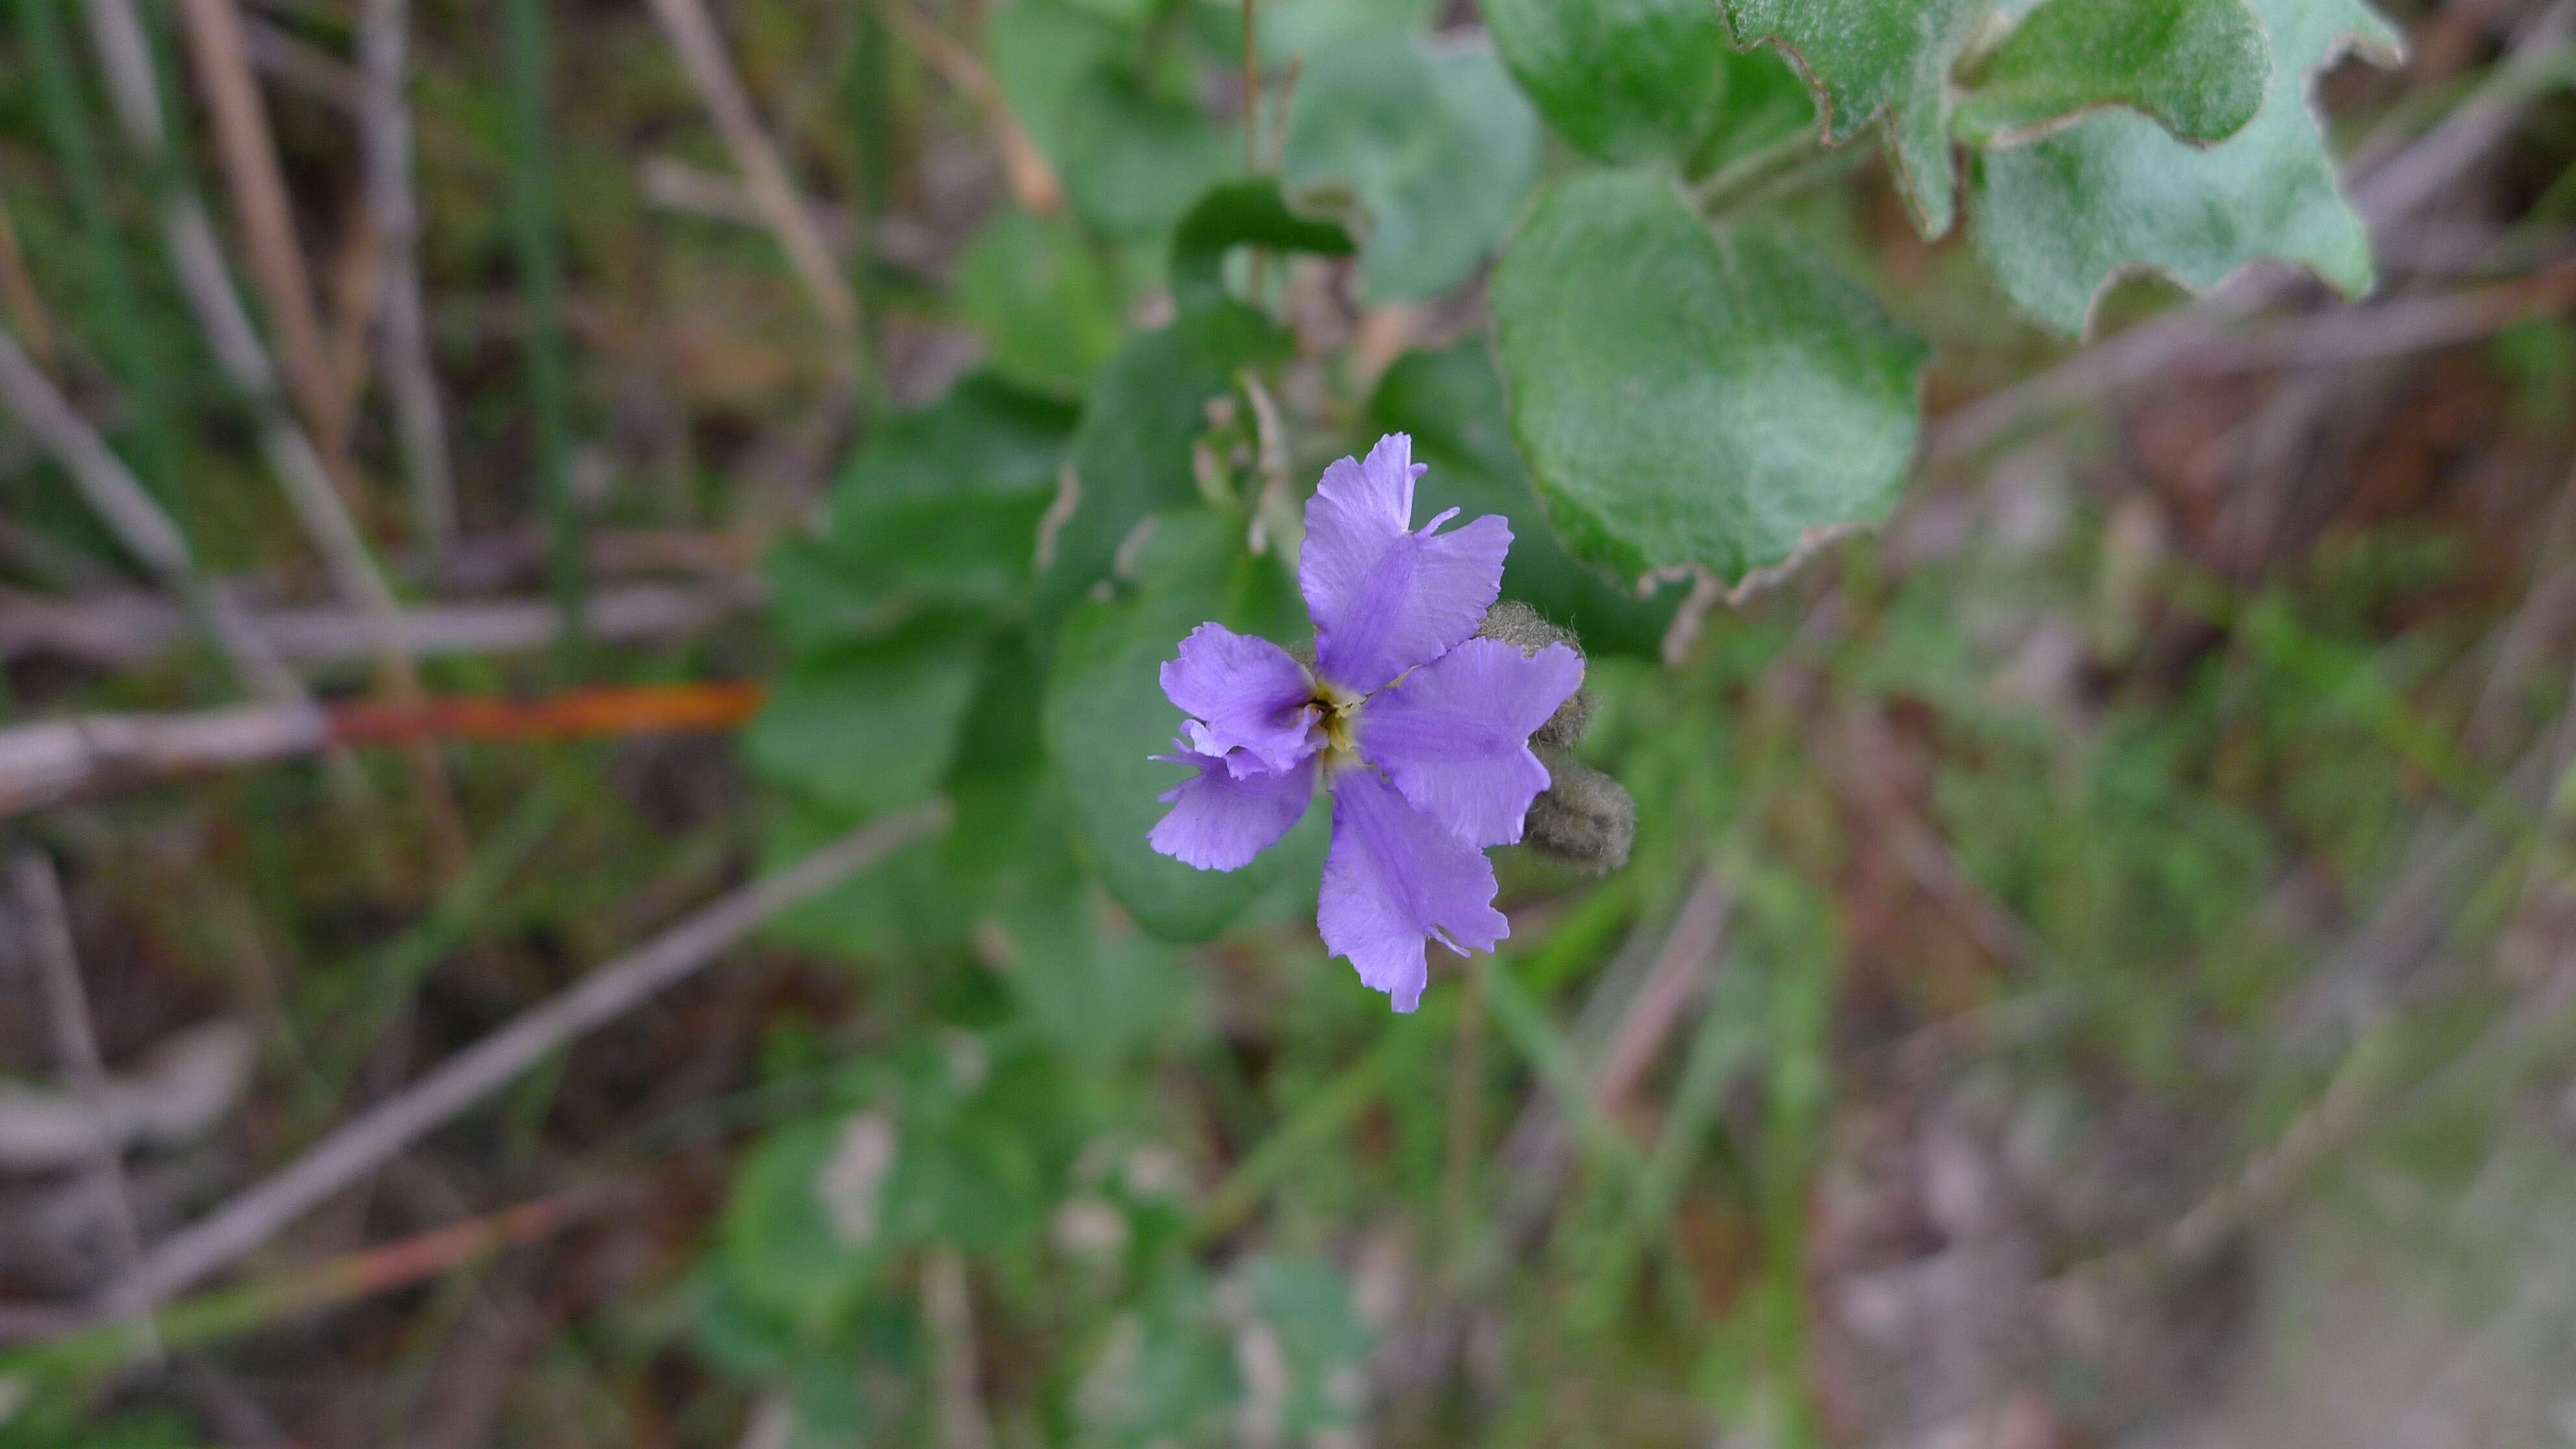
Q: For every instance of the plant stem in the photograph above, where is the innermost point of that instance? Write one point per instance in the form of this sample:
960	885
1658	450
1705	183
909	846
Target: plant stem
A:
541	290
1782	166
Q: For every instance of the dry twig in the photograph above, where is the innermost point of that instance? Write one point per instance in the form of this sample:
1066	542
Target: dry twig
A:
247	151
1033	181
693	34
127	509
48	932
310	487
377	1135
46	764
113	631
402	315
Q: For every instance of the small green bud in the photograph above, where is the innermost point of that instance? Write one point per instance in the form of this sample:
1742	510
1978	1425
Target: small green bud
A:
1583	818
1525	629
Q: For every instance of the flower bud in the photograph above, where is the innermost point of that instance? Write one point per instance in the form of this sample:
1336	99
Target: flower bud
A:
1523	628
1583	818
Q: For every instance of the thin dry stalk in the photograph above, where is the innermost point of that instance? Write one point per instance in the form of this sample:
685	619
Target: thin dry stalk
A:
110	631
420	423
18	290
693	34
57	970
1033	181
367	1142
354	287
310	487
247	151
948	1306
58	760
1680	974
300	68
121	503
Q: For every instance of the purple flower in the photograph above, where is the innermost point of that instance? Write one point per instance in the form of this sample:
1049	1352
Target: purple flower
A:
1418	728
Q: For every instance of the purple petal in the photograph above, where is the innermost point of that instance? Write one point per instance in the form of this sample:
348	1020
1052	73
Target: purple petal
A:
1395	880
1219	820
1246	694
1454	734
1384	597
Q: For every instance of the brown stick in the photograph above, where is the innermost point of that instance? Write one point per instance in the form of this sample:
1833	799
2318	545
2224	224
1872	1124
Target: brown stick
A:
312	489
1033	181
247	150
43	765
419	418
350	1277
18	290
138	522
116	630
376	1136
49	940
1681	970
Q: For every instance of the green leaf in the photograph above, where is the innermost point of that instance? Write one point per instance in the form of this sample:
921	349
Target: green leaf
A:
1106	715
1451	401
1042	50
938	512
1097	992
2198	68
905	904
1136	155
1423	148
870	727
1132	455
1046	306
1292	28
1241	213
1125	12
2058	219
894	560
1005	851
1685	397
1637	80
1870	58
1305	1304
784	1254
1167	1373
985	437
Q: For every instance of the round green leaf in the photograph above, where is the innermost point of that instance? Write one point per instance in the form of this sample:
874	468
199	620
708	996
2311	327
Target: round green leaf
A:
1634	80
2058	219
1424	149
1451	402
1136	156
871	727
1870	58
2196	67
1044	303
1685	397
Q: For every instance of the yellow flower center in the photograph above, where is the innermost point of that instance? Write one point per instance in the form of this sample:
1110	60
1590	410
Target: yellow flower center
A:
1340	717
